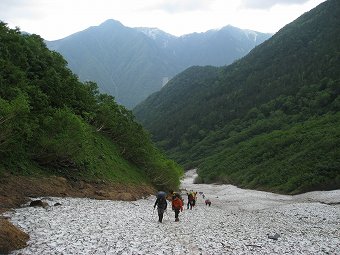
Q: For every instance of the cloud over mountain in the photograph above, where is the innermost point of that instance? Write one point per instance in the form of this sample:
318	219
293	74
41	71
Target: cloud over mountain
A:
183	6
266	4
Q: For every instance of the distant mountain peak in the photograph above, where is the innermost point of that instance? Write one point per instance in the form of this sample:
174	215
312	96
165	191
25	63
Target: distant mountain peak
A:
111	22
110	53
229	27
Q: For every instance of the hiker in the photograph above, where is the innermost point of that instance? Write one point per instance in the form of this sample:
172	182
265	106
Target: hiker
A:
207	202
161	204
175	194
177	205
190	200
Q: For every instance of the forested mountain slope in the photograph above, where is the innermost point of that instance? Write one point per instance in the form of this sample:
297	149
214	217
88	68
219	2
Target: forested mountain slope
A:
131	63
270	120
51	123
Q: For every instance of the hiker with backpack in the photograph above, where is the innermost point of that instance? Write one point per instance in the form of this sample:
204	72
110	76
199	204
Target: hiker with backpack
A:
177	205
161	204
192	196
190	200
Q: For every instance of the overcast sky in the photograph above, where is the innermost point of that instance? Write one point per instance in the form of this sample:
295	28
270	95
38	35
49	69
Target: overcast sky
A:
55	19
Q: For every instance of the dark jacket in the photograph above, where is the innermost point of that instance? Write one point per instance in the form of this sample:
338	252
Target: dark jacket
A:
161	203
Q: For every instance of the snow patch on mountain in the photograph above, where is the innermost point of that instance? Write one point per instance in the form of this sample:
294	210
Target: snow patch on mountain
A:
157	35
250	34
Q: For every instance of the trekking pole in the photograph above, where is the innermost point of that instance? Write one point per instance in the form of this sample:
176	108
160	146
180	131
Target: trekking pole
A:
166	212
153	213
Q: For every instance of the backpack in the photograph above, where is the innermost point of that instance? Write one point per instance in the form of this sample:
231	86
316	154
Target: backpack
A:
161	194
177	203
176	194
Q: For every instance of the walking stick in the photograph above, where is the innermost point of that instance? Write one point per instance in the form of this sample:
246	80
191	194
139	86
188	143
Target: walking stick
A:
153	213
166	212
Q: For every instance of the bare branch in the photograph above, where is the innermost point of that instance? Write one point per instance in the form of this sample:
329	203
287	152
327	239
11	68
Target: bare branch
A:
99	129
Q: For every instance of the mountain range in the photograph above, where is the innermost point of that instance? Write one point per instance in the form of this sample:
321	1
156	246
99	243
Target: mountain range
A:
132	63
269	120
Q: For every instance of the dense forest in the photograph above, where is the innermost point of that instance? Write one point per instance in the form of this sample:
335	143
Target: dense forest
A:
51	123
269	121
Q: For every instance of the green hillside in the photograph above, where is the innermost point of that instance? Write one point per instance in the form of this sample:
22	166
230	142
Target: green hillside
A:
51	123
268	121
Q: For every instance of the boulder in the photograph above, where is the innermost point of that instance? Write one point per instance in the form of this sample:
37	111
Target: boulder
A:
274	237
38	203
11	238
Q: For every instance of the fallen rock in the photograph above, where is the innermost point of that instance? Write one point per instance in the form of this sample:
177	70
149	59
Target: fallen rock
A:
11	238
38	203
274	237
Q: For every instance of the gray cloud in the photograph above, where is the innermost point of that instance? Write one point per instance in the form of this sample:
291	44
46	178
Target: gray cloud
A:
21	9
174	6
266	4
10	4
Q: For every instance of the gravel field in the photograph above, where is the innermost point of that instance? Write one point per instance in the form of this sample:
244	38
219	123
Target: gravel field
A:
238	222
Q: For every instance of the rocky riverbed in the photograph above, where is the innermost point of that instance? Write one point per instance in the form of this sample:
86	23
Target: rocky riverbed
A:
238	222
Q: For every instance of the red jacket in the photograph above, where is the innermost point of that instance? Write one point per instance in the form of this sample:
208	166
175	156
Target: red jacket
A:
177	204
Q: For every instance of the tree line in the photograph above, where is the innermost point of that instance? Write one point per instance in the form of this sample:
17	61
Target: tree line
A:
51	121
